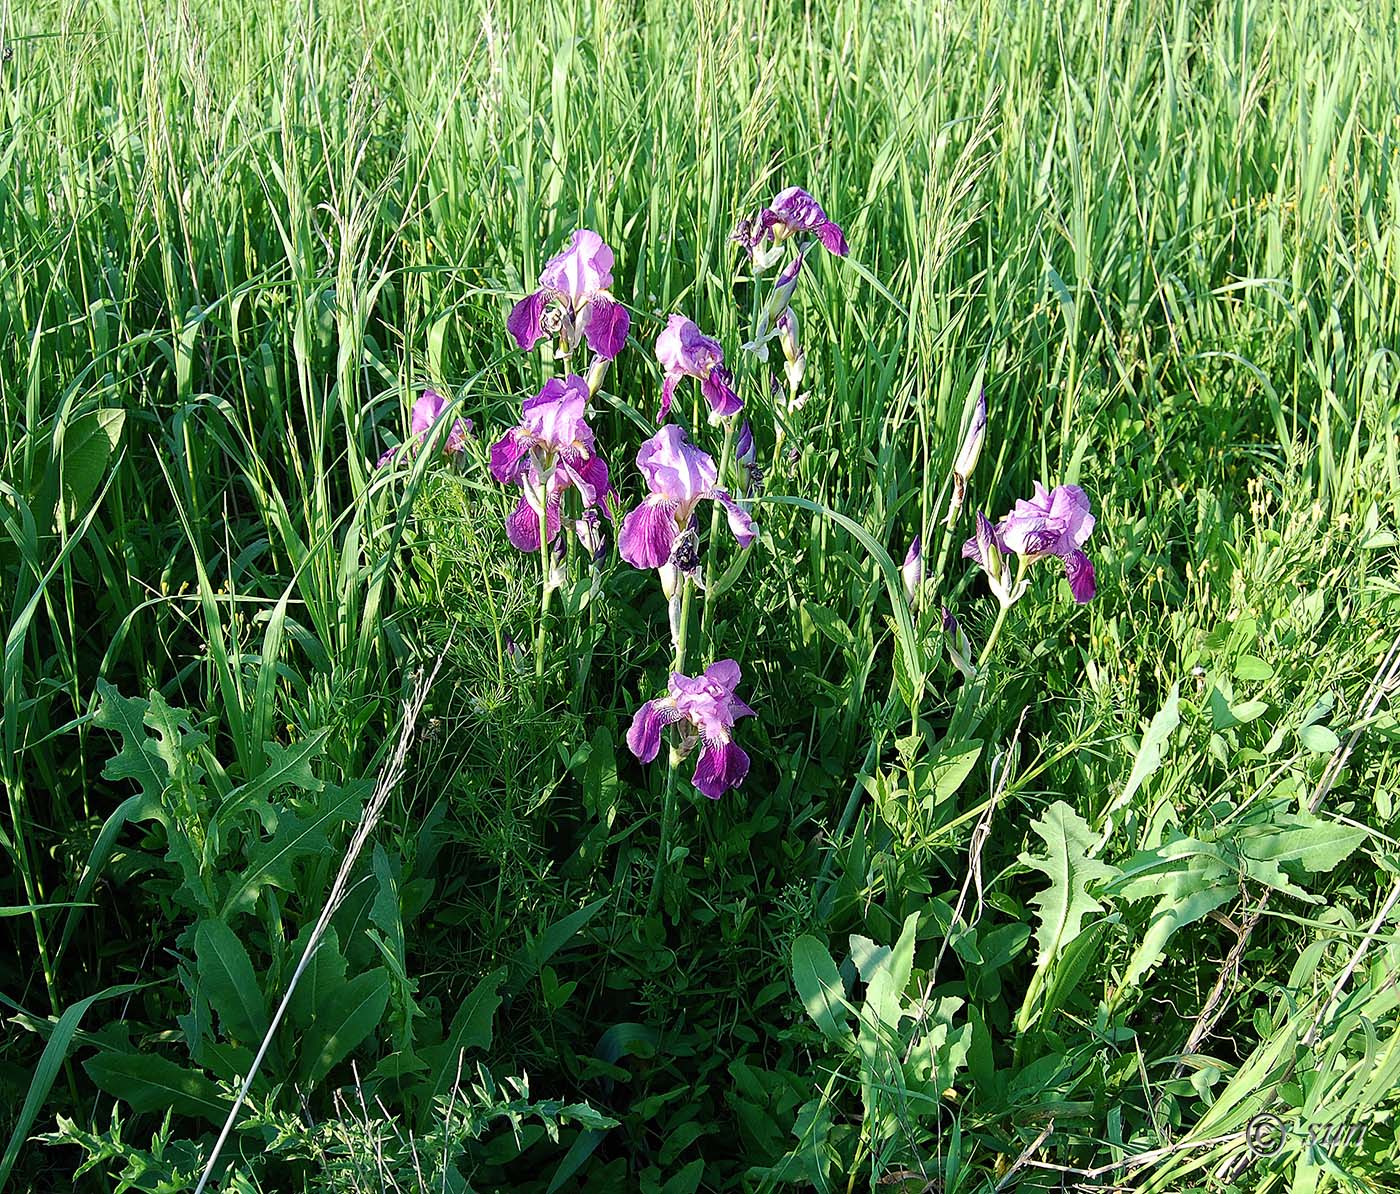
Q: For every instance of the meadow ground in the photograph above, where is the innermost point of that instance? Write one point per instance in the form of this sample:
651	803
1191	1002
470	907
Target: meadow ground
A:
1112	906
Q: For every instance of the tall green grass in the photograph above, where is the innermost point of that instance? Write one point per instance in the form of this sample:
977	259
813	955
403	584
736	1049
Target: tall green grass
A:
1166	239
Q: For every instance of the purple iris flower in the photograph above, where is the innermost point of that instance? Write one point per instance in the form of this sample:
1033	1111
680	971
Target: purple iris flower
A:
679	476
708	709
573	301
1054	522
424	414
793	211
551	451
685	351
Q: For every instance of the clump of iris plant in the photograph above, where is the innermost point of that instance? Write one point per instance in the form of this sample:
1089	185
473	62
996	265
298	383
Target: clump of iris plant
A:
425	413
573	301
793	218
706	708
685	351
551	451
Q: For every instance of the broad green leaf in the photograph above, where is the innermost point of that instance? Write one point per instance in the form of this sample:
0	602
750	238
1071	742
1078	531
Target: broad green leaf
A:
819	986
147	1083
1071	870
472	1028
1149	754
889	975
1319	739
270	863
351	1014
287	767
88	444
226	975
323	977
1304	840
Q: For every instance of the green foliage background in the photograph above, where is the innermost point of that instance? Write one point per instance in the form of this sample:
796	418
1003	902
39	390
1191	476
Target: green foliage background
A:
1164	237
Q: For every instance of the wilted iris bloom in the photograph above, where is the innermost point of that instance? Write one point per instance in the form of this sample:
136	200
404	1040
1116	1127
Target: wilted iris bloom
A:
573	301
707	709
1054	522
685	351
746	458
912	571
967	458
660	531
792	213
551	451
424	414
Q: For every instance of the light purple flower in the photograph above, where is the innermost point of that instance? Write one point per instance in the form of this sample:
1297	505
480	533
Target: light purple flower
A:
685	351
1054	522
679	476
707	708
421	419
912	570
792	212
551	451
573	301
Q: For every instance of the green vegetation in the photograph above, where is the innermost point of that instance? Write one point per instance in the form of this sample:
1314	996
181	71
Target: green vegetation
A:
1127	892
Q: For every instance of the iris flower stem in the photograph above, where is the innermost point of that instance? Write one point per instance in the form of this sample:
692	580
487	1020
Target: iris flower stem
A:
544	604
1001	617
668	801
722	470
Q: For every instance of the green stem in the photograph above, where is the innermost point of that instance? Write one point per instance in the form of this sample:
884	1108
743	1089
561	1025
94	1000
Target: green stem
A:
1001	616
544	604
710	545
668	801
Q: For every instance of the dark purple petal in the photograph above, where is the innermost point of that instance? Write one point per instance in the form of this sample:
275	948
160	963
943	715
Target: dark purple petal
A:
524	319
1079	571
718	389
605	326
589	475
832	238
510	457
740	523
721	766
648	534
644	734
523	525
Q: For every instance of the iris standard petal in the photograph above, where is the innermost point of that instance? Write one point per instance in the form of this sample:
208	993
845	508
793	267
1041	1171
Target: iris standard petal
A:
582	269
